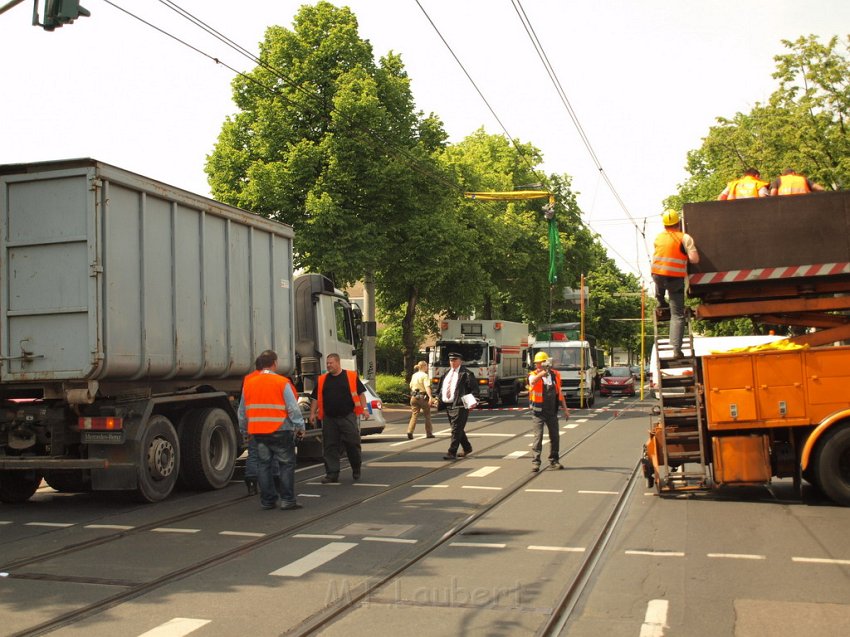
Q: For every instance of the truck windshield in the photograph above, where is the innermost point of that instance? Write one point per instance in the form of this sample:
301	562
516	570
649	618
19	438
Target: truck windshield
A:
565	357
474	354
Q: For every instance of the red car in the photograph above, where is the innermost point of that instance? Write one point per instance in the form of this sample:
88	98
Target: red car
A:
617	380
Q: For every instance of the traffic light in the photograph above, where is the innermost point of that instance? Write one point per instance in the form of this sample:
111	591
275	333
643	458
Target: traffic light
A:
59	12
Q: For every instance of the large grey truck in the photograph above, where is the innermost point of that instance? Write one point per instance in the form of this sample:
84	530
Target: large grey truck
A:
130	311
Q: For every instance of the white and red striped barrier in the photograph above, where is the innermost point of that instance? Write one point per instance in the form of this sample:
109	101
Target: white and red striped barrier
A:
764	274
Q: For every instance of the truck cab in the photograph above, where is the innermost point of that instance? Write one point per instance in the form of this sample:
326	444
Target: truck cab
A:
577	365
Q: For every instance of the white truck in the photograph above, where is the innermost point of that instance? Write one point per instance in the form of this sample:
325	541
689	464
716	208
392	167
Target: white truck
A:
575	359
130	311
494	350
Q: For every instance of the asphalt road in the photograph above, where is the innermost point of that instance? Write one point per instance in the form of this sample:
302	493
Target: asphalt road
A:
422	546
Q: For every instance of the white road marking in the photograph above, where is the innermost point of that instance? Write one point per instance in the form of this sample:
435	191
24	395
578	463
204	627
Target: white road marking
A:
655	620
314	559
563	549
115	527
430	486
545	490
482	472
164	529
242	533
369	484
515	454
176	627
2	522
309	495
820	560
581	420
571	426
60	525
403	442
319	536
391	540
600	492
656	553
738	556
325	484
477	545
478	435
467	486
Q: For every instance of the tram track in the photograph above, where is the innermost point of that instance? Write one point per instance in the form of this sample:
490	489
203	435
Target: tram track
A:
329	615
132	589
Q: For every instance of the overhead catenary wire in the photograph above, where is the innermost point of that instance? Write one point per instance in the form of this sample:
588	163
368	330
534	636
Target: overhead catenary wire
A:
401	153
631	263
550	71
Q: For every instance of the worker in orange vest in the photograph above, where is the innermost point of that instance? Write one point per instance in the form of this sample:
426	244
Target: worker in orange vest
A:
338	399
749	186
673	250
544	397
269	411
792	183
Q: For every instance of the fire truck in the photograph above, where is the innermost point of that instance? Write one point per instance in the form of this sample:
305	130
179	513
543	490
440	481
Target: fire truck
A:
780	410
494	350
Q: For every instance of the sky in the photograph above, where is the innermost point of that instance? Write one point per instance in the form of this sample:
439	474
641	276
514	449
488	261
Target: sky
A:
646	80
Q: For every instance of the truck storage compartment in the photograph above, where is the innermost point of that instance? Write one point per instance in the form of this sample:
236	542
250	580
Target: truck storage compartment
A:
741	459
109	276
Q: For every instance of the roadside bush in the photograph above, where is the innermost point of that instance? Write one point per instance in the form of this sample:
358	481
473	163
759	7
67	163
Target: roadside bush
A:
392	388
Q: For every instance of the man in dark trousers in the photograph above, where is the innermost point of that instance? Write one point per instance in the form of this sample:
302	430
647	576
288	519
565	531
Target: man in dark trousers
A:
454	385
338	399
544	398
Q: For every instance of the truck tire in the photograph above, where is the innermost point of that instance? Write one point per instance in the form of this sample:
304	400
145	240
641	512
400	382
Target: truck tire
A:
208	449
832	465
158	460
68	481
311	449
513	397
18	486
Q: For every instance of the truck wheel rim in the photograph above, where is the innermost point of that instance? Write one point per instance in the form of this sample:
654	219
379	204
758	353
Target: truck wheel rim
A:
160	459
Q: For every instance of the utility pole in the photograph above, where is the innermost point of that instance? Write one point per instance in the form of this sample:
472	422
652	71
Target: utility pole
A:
370	330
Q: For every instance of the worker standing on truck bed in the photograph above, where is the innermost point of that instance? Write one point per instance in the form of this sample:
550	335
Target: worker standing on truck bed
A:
339	398
792	183
275	422
545	397
673	250
749	186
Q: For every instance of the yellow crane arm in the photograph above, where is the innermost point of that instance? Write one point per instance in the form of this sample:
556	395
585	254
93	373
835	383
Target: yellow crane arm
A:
512	195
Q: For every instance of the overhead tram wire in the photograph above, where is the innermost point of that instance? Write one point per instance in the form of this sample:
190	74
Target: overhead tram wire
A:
480	93
510	137
401	153
529	29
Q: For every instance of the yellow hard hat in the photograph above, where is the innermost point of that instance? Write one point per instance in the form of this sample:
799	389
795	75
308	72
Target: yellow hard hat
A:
670	217
541	357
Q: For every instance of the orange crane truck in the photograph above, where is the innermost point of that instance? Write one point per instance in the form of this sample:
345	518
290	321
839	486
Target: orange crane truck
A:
745	417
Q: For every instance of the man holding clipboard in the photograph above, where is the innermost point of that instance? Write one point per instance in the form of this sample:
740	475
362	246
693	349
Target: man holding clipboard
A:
455	395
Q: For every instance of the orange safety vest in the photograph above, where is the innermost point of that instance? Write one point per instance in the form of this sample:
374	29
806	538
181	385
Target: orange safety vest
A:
265	407
793	185
352	387
535	394
747	187
668	259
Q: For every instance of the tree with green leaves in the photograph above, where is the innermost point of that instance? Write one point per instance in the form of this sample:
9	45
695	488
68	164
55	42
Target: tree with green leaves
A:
328	141
802	126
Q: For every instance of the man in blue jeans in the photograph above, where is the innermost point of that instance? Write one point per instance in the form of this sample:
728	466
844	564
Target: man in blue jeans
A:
269	411
251	461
